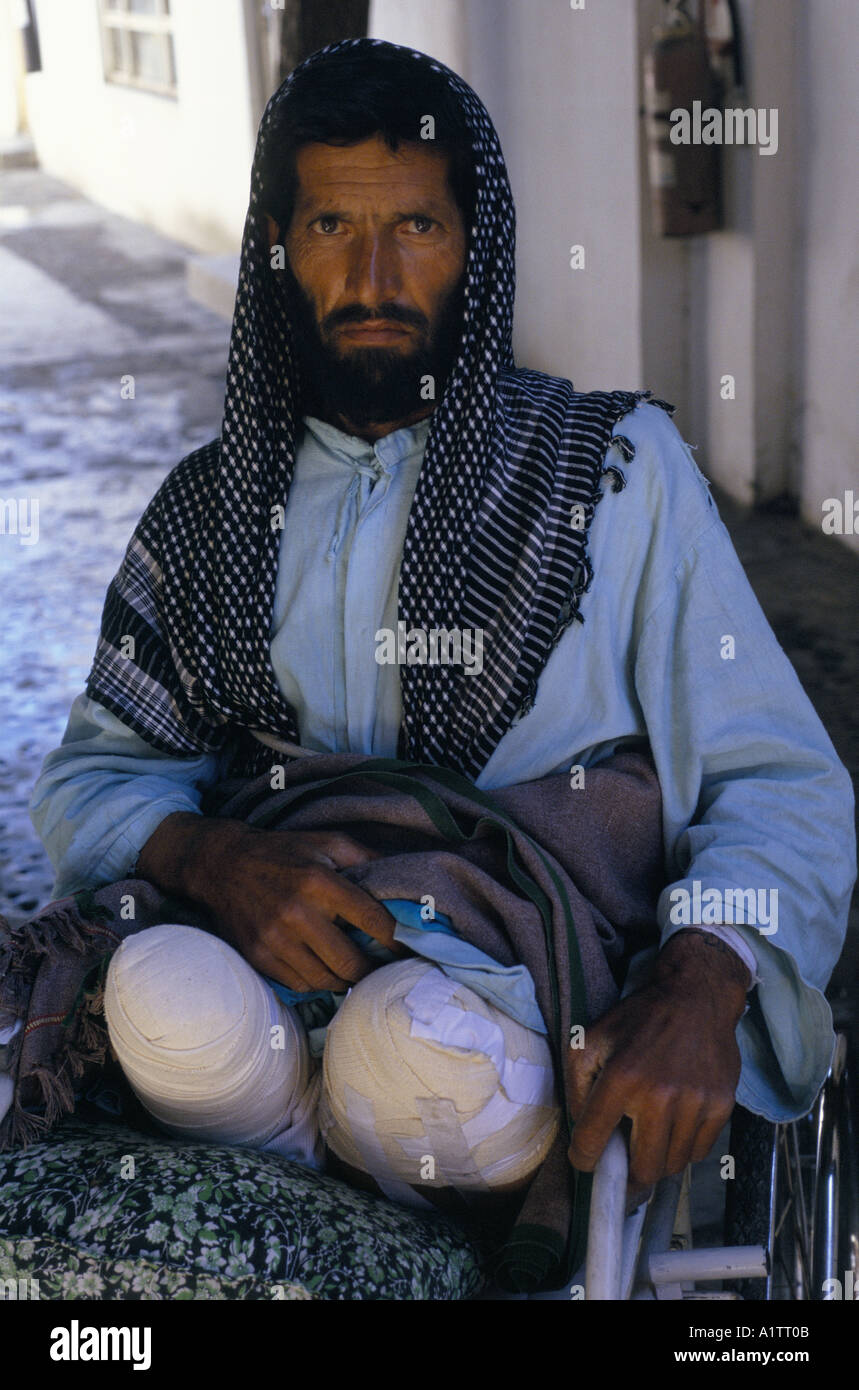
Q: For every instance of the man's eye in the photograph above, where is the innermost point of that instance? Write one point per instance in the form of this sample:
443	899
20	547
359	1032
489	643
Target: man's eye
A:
421	224
328	223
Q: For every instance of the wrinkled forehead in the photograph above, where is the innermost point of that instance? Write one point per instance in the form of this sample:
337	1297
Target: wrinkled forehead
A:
369	173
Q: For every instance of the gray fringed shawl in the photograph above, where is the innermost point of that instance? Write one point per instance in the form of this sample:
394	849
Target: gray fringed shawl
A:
564	881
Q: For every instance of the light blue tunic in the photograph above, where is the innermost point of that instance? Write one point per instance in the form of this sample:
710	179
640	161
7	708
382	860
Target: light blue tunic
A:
674	649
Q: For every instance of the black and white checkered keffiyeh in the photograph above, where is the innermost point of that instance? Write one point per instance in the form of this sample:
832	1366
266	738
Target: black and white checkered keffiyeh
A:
493	541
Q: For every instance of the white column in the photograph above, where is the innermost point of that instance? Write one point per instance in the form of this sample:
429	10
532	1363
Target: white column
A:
437	28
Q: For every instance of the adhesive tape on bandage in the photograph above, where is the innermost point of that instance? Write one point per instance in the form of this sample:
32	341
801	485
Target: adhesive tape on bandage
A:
523	1081
367	1145
416	1066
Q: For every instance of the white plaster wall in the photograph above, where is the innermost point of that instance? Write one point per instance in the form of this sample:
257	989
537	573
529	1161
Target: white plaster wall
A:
829	289
561	87
721	340
438	28
665	276
723	304
699	298
183	165
771	300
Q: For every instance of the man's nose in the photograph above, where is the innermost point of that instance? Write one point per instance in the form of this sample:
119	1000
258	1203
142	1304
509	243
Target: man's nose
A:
375	275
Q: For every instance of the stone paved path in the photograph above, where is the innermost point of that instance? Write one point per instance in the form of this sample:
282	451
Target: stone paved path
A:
90	297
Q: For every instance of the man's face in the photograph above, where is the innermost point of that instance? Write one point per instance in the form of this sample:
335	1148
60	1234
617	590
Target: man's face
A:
376	258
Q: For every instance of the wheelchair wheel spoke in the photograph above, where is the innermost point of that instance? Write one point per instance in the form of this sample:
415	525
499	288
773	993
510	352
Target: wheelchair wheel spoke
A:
801	1194
802	1209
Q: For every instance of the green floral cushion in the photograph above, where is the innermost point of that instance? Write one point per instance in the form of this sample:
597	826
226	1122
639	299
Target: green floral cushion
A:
105	1212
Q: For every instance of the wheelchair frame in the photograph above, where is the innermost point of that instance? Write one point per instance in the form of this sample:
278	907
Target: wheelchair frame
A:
791	1221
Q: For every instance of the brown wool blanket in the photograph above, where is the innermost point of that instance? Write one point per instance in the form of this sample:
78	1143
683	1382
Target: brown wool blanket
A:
563	880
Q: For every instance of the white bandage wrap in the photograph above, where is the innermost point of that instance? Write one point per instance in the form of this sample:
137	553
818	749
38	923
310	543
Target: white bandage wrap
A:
418	1067
207	1047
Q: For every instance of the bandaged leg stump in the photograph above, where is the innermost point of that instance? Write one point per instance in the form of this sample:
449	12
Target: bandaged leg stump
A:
428	1089
207	1047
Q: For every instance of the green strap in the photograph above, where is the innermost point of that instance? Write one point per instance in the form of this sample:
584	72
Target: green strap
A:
533	1256
455	781
401	776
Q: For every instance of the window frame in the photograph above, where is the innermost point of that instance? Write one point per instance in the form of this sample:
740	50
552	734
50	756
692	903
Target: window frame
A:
118	18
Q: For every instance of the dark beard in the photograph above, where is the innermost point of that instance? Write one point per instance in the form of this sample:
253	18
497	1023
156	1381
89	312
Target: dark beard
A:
374	384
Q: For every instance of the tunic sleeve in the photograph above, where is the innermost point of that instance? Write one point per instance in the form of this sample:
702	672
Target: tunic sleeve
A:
103	792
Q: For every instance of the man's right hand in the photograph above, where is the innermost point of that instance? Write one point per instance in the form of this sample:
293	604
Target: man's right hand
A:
275	895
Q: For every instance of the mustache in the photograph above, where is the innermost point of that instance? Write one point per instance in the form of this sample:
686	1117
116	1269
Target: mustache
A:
388	313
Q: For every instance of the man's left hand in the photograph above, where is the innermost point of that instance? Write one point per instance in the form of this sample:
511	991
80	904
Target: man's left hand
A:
667	1058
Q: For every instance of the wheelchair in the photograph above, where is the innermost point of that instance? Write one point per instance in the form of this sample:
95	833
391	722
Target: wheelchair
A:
791	1224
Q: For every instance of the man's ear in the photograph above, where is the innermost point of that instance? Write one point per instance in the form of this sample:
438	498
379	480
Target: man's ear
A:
273	231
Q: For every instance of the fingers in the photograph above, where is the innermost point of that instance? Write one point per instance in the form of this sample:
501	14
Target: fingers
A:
337	961
285	910
314	970
671	1126
602	1113
584	1064
681	1140
668	1065
683	1132
654	1130
317	897
323	889
668	1130
709	1131
311	948
662	1135
591	1096
296	966
583	1068
344	899
281	970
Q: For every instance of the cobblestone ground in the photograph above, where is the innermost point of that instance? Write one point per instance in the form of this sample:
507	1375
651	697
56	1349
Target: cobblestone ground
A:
90	298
